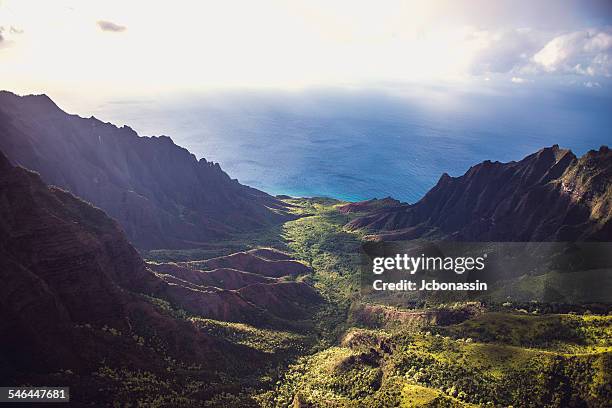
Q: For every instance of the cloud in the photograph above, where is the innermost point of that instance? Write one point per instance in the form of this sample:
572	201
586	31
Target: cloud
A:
105	25
587	52
592	84
521	54
7	34
519	80
504	51
3	41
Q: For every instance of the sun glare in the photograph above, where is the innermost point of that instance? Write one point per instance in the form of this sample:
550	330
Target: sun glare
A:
233	43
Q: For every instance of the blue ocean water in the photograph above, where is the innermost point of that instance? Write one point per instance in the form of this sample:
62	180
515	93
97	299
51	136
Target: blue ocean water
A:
357	145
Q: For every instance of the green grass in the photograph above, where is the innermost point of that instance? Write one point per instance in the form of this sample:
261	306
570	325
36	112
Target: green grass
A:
564	333
421	369
265	340
418	396
320	240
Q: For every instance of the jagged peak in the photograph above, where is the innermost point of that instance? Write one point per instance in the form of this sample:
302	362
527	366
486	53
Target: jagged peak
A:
557	152
165	138
43	101
127	130
548	195
5	93
39	100
445	177
603	151
141	170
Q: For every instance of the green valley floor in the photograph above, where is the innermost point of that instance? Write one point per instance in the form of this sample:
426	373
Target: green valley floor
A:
352	352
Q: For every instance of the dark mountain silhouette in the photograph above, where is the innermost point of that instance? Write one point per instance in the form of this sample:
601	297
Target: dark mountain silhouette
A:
64	264
162	196
550	195
68	271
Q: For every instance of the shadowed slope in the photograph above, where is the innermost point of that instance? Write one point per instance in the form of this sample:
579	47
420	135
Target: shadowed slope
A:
249	262
75	292
65	265
162	196
548	196
256	281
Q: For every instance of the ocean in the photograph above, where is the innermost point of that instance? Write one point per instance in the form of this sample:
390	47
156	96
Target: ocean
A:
357	144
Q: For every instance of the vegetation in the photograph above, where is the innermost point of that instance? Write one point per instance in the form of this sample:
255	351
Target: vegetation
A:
355	353
269	237
504	358
265	340
319	239
416	368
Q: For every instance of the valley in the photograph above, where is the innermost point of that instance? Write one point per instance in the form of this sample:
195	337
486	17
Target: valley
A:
466	354
306	204
139	276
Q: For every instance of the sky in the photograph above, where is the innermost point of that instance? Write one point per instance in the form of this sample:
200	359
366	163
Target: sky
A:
133	48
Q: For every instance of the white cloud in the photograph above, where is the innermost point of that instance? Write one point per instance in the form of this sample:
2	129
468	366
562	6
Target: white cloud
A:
592	84
110	26
6	35
503	51
587	52
519	80
519	55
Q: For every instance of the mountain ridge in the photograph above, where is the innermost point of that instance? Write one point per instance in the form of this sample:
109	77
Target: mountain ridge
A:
161	194
66	264
75	292
550	195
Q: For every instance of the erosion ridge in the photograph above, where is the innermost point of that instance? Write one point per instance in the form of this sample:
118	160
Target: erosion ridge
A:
212	288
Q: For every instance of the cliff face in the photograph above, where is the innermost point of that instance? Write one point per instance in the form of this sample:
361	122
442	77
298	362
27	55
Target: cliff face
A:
65	264
162	196
67	271
550	195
